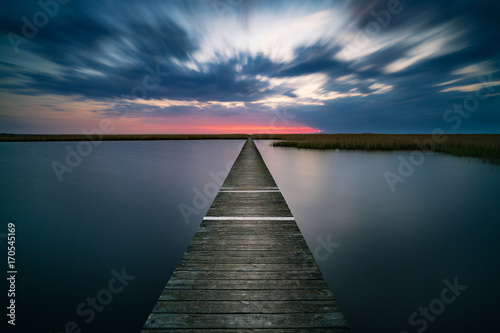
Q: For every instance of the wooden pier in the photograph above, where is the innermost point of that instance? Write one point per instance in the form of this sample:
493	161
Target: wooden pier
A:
248	267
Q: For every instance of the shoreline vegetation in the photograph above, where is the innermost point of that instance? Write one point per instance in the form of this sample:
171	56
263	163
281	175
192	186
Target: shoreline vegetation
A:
485	146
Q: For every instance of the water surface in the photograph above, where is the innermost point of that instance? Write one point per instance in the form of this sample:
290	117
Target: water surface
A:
118	210
384	254
391	251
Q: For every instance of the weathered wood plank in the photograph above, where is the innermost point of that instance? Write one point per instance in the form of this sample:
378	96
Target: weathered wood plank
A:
247	260
274	246
254	220
204	266
250	284
246	295
249	234
250	253
249	320
262	239
249	204
251	330
269	241
245	307
247	275
255	275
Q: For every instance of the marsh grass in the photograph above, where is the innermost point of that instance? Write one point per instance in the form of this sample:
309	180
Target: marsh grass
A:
486	146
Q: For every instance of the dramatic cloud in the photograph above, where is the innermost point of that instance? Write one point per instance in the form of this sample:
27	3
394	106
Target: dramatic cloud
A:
337	66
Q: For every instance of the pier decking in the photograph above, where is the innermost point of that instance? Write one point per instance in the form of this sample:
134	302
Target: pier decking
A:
248	267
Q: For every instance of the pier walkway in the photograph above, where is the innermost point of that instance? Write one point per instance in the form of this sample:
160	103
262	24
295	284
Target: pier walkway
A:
248	267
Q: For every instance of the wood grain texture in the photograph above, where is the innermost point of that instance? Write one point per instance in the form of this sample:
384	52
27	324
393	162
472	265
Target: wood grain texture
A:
247	275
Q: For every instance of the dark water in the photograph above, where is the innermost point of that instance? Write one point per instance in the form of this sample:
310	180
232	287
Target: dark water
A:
387	253
117	213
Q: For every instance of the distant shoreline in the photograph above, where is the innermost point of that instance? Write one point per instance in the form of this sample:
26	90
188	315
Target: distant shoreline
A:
485	146
117	137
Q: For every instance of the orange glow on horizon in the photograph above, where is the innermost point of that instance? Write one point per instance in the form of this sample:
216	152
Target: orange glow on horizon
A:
86	116
258	130
237	129
184	125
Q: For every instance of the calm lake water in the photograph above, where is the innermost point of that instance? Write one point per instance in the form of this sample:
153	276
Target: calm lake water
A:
384	254
391	251
118	210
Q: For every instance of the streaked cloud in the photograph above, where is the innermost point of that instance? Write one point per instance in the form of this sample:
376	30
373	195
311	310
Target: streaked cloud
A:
349	65
429	44
482	68
472	87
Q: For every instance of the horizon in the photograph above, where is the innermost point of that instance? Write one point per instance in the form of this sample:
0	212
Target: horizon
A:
250	134
234	66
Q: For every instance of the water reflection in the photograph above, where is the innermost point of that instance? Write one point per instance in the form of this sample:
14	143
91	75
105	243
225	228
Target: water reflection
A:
397	248
117	209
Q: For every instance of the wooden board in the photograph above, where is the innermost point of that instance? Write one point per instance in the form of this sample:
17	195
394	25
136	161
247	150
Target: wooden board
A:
248	267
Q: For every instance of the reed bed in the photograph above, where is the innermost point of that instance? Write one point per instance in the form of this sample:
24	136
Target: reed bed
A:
486	146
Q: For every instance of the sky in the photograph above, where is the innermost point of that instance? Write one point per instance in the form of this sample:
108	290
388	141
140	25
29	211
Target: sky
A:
239	66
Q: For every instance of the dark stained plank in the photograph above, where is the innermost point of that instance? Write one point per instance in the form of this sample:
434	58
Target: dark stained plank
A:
246	259
242	284
235	275
253	239
246	269
249	253
247	295
250	223
247	320
265	330
249	204
242	247
187	266
245	307
249	235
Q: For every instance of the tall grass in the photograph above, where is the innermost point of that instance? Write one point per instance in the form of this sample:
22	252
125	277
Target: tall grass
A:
485	146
